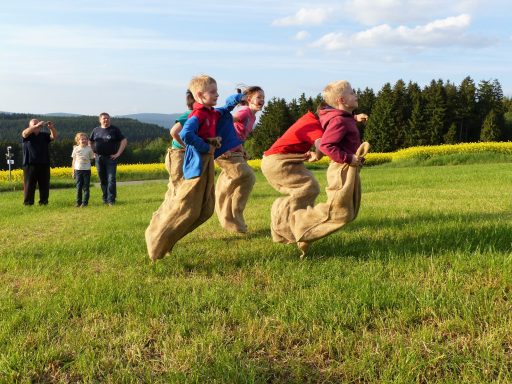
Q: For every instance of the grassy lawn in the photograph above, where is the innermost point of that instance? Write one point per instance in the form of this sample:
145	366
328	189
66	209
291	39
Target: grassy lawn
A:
417	289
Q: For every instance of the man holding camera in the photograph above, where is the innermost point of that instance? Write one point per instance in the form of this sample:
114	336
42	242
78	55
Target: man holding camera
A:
108	143
36	160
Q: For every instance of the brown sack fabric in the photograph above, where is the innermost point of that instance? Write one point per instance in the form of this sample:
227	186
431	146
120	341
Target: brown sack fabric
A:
234	185
182	211
174	166
287	174
342	206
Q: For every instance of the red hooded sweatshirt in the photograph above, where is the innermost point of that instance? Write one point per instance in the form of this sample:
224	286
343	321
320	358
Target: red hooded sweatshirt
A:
341	139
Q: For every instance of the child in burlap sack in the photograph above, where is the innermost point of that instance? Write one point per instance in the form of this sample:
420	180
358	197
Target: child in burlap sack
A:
236	179
283	167
192	202
341	142
176	152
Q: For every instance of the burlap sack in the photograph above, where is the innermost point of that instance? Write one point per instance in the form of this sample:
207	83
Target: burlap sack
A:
234	185
287	174
342	206
183	210
174	166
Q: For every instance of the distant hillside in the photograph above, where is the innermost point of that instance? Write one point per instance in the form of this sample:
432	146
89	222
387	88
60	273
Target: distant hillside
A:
11	125
164	120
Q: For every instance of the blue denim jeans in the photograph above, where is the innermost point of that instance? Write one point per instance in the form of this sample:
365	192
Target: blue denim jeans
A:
83	181
107	174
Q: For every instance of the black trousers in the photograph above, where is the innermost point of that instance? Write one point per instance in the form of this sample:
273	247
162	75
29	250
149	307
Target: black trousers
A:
33	176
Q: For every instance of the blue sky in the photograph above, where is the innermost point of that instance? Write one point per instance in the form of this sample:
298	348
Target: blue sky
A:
133	56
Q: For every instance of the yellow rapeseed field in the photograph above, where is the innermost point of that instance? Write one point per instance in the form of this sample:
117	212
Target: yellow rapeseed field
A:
157	170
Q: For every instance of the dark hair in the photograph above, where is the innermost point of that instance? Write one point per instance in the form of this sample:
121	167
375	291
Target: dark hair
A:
249	91
189	99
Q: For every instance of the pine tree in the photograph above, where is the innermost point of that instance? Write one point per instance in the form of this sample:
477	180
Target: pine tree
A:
450	137
435	108
379	130
491	131
416	132
465	111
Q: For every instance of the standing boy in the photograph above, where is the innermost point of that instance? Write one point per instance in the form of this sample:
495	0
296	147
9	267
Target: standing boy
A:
108	143
36	161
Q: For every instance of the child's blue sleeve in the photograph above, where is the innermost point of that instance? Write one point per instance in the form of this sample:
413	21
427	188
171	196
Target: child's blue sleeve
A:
189	135
231	102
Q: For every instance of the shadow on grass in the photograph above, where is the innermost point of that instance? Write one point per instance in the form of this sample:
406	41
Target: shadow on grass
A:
420	234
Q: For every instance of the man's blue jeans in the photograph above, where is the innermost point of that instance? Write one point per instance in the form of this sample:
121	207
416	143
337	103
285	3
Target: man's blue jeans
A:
107	174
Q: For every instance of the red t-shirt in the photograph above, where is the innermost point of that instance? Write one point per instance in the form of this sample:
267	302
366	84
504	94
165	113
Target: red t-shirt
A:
208	118
299	138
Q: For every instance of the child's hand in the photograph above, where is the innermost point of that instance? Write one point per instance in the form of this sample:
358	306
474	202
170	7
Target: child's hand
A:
73	175
312	157
356	161
215	141
361	117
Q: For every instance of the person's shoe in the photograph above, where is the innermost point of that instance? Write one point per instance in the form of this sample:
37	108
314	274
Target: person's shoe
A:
110	204
43	203
78	205
84	205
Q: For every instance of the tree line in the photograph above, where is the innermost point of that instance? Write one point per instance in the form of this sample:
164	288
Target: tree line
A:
404	115
400	116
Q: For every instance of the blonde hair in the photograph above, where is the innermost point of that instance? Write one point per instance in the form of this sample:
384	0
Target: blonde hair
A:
199	84
78	136
333	91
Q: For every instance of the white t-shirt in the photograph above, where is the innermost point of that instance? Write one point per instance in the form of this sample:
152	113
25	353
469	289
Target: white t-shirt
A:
83	157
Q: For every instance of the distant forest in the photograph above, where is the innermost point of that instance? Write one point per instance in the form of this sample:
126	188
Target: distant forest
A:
147	142
400	116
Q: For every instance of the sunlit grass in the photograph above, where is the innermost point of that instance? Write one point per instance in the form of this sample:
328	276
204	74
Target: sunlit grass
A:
417	289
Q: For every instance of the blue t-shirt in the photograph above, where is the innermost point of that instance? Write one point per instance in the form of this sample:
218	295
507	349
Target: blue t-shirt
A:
105	141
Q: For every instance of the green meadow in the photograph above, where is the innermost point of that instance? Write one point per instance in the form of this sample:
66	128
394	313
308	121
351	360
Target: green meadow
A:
417	290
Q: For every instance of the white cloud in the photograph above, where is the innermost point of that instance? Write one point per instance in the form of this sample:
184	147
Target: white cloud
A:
450	31
371	12
301	35
304	16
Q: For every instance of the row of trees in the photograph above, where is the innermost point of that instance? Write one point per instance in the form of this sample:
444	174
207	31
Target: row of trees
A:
405	115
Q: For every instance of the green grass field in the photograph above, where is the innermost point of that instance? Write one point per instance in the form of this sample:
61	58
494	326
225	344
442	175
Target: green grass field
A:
417	289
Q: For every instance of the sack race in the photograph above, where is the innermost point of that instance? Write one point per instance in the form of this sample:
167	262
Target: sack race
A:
287	174
234	185
174	166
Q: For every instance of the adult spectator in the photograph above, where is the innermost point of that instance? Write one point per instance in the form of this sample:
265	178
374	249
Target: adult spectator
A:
108	143
36	160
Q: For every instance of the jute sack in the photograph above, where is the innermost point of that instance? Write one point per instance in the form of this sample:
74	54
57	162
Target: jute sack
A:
174	166
287	174
342	206
190	205
234	185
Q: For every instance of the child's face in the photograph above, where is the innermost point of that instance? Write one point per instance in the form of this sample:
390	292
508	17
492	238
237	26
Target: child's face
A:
83	141
209	96
256	101
349	98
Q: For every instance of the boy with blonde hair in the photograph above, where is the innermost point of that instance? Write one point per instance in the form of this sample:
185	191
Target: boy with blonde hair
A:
193	201
341	142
